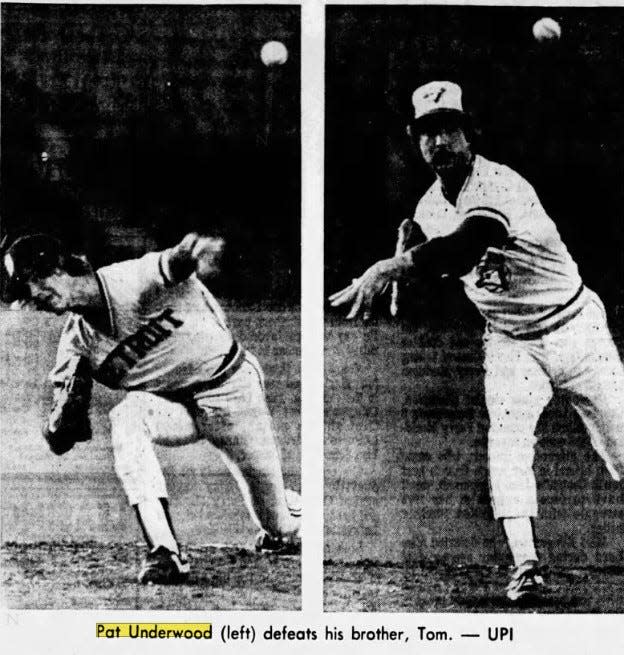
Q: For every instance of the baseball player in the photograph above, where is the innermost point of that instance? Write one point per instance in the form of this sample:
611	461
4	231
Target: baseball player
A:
149	326
481	221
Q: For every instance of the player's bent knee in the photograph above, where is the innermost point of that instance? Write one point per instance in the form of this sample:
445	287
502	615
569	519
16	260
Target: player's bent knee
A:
126	415
162	421
126	456
138	470
135	462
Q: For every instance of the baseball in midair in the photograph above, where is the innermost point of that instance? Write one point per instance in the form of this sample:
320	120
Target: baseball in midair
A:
546	29
273	53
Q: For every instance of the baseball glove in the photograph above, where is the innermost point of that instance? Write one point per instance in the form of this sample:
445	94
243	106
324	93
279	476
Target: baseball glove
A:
68	421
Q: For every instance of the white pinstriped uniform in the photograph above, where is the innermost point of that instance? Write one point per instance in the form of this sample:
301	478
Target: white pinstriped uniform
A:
544	330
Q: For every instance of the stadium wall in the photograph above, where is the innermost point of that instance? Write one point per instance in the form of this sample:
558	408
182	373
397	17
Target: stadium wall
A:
406	457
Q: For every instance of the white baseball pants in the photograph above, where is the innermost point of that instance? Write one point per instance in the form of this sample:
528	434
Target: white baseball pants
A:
579	358
234	418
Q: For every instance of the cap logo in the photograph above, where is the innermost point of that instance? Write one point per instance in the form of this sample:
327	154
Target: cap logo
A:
437	97
439	94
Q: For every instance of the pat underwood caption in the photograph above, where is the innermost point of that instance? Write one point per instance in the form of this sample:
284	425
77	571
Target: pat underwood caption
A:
242	632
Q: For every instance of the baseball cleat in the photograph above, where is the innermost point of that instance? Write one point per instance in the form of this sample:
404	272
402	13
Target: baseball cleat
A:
527	583
163	566
265	543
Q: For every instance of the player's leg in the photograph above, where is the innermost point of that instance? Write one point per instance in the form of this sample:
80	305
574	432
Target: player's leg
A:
237	421
516	390
595	381
136	422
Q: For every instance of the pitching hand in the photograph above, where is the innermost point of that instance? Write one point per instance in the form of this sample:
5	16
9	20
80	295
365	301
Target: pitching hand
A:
193	253
363	290
208	253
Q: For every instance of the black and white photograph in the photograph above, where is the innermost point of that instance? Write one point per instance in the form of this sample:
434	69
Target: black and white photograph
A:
312	326
150	322
473	383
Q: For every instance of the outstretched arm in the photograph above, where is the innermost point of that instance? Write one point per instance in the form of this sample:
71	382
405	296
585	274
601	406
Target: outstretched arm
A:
409	235
454	254
194	253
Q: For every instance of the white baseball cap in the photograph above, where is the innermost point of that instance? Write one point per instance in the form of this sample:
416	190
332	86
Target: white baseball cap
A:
437	98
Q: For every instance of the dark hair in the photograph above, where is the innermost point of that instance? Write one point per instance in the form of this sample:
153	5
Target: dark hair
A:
37	255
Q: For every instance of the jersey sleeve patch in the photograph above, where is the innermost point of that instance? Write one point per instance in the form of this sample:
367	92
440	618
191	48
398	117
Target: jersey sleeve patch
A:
488	212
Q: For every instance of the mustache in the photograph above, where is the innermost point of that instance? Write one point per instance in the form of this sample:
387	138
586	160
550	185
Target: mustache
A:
442	156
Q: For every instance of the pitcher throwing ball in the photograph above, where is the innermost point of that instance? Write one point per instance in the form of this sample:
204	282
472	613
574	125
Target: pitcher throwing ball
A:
482	222
149	326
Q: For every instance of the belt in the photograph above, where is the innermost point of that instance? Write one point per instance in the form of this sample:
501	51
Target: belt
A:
538	334
230	364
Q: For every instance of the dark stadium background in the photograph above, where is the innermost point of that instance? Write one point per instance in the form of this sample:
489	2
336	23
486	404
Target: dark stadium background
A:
156	120
408	523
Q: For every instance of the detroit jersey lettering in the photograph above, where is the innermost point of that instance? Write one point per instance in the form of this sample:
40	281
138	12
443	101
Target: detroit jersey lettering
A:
529	283
161	337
